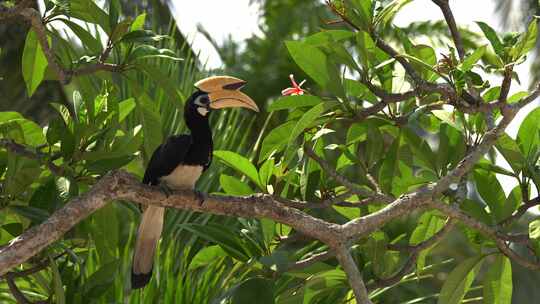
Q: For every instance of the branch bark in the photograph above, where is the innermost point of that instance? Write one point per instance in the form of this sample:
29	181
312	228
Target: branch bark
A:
26	152
353	274
64	75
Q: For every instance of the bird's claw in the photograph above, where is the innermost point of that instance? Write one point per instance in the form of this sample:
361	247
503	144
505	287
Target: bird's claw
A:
168	191
200	196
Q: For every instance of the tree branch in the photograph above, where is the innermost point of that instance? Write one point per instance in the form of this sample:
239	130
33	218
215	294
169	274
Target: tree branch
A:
17	294
23	151
394	279
319	257
451	22
122	186
64	75
486	230
353	274
344	181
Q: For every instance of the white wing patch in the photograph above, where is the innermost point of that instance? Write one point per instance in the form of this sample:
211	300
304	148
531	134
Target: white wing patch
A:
183	177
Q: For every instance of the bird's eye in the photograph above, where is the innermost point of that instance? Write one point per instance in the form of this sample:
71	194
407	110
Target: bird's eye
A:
202	100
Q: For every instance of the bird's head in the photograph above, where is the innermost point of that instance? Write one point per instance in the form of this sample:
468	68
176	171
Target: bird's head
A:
217	92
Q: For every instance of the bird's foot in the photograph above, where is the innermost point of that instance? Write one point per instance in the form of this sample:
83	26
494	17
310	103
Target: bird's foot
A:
166	189
200	196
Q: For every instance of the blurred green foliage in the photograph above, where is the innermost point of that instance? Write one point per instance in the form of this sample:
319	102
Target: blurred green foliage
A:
115	120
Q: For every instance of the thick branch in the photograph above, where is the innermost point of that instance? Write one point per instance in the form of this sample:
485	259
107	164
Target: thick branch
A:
123	186
486	230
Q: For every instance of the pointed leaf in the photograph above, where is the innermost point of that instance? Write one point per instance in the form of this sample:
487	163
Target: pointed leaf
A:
240	164
34	62
498	282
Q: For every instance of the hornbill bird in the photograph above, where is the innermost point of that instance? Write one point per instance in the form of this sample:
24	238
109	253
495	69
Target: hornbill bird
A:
178	163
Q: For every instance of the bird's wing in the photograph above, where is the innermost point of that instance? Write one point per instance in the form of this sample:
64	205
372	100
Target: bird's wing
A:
166	157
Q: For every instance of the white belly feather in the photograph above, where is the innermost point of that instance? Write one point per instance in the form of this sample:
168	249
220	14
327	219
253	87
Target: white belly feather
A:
183	177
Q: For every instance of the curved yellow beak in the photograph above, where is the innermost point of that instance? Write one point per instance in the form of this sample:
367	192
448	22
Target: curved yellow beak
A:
224	92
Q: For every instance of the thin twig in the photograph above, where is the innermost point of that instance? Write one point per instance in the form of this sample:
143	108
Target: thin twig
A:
26	152
344	181
315	258
17	294
450	224
521	210
395	278
64	75
451	22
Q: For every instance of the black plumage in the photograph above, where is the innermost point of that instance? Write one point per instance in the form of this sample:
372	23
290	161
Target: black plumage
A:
177	164
180	160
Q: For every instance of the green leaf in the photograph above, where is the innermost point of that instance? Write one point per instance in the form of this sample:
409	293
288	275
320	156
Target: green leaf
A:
120	29
356	89
492	193
88	11
491	35
266	171
306	120
254	290
233	186
327	37
101	280
469	61
151	123
517	96
276	140
459	281
311	60
240	164
59	294
390	170
34	62
205	256
138	23
86	38
228	239
526	42
293	102
105	233
125	107
492	94
428	226
35	215
511	152
426	55
528	137
268	229
534	230
15	229
421	149
389	11
498	282
147	51
142	36
164	81
384	261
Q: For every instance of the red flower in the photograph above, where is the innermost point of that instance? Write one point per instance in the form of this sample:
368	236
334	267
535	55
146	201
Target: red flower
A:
296	88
